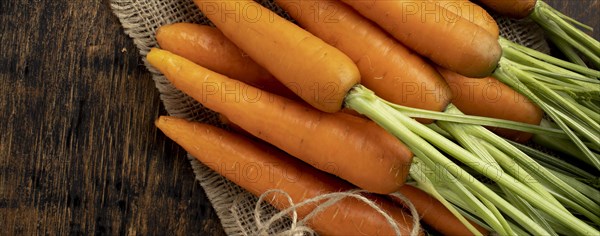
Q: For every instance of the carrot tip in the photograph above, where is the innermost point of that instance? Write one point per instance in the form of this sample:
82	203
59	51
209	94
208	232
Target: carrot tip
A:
161	120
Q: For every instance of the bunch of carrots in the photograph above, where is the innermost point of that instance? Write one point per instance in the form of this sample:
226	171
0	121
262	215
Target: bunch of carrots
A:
387	97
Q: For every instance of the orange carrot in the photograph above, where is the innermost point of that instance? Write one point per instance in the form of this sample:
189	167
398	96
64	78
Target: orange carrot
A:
436	33
512	8
319	73
208	47
258	168
481	97
388	68
491	98
473	13
353	148
435	214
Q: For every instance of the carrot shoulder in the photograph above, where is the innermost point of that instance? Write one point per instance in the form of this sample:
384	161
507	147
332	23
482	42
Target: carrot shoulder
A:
436	33
491	98
512	8
394	72
319	73
208	47
353	148
258	168
473	13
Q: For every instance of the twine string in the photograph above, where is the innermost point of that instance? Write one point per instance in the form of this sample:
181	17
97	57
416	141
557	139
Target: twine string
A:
324	201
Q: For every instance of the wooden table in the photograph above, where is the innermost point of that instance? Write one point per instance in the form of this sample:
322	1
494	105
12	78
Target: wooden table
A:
79	153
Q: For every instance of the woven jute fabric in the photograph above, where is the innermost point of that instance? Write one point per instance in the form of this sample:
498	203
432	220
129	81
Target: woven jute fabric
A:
234	206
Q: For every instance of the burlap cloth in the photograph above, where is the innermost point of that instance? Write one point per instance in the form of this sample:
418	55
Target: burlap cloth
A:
234	206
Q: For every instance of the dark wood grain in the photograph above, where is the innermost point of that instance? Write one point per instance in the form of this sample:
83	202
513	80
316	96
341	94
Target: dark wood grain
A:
78	150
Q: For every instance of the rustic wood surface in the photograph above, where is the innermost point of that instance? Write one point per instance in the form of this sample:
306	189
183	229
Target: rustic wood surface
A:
78	150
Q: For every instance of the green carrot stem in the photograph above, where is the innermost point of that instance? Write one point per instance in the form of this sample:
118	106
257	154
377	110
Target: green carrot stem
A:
461	206
590	43
508	75
561	86
559	27
496	161
527	56
478	120
437	129
474	219
557	76
567	49
443	177
583	108
553	163
580	127
425	184
578	208
517	59
534	168
527	79
557	226
473	146
365	102
567	18
594	107
563	146
497	214
579	94
584	48
515	169
525	207
591	192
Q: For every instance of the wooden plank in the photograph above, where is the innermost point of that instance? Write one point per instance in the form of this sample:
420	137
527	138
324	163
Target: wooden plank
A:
79	153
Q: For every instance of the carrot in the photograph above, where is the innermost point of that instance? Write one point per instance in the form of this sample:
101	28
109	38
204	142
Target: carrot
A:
435	214
319	73
473	13
388	68
491	98
207	46
436	33
512	8
258	168
353	148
